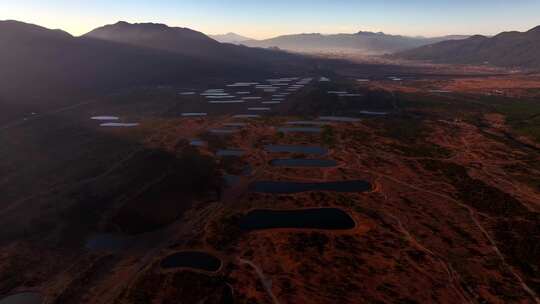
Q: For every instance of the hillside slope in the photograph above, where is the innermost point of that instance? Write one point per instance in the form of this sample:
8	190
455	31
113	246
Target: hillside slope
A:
508	49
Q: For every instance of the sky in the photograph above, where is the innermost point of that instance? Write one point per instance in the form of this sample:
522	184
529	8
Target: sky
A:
261	19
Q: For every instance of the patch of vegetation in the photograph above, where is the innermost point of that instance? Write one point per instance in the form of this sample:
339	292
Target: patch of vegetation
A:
317	101
446	107
423	150
328	136
522	114
225	232
476	193
302	242
215	142
517	229
163	200
406	129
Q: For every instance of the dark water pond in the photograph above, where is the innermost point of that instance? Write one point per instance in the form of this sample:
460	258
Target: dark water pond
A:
23	298
105	118
247	116
235	124
197	143
320	218
224	131
297	187
118	125
231	180
193	114
107	242
230	152
303	163
340	119
300	130
307	123
317	150
373	113
192	259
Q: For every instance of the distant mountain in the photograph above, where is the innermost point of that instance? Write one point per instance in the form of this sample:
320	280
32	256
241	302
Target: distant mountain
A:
157	36
38	62
508	49
230	38
361	42
183	41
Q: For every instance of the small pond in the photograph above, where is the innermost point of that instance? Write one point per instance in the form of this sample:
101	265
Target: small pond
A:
118	125
23	298
107	242
223	131
340	118
194	114
230	152
317	150
105	118
373	113
303	163
192	259
318	218
299	130
247	116
197	143
280	187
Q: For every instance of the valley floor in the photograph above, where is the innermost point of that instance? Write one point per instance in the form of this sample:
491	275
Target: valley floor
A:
451	214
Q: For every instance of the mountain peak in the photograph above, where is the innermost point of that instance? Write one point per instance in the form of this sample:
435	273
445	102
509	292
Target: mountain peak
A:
367	33
230	37
534	30
17	28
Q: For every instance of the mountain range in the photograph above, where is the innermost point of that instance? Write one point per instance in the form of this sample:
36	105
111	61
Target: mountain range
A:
37	62
230	38
507	49
367	43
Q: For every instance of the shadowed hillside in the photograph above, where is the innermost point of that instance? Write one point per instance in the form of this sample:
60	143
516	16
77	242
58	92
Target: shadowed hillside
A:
508	49
184	41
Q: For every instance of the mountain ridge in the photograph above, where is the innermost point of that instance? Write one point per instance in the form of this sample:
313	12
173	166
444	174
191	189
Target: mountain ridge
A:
230	37
371	43
506	49
38	62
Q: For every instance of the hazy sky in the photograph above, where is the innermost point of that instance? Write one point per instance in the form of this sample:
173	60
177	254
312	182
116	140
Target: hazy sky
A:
263	19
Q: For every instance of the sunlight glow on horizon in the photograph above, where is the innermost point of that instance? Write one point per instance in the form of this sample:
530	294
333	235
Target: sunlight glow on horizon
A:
260	21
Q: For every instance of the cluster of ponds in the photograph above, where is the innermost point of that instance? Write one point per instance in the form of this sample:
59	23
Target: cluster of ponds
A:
262	219
250	92
314	218
258	219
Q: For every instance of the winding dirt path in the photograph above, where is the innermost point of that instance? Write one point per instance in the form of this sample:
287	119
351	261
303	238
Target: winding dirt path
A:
267	283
